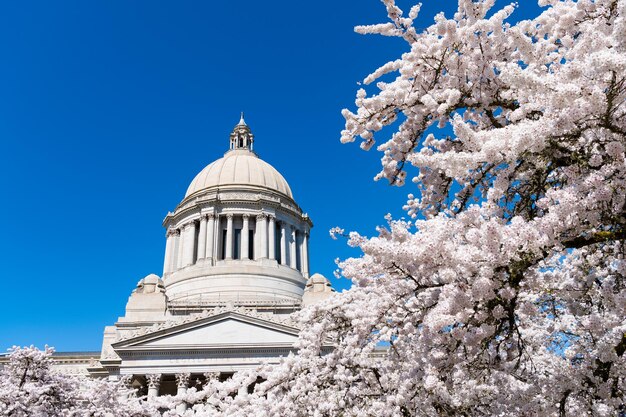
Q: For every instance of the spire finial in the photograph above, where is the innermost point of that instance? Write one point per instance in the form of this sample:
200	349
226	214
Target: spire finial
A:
242	121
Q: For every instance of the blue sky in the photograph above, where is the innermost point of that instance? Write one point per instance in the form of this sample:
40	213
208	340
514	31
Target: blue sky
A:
108	109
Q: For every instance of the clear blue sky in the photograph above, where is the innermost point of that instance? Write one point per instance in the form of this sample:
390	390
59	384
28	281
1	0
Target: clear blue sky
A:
108	109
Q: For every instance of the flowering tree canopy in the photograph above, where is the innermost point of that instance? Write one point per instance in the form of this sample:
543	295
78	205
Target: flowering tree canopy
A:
505	294
30	387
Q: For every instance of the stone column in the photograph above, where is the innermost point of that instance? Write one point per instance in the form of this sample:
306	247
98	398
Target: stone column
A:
190	231
229	237
181	244
305	254
283	243
271	230
202	239
174	256
154	382
182	382
210	236
257	238
168	252
263	236
245	233
292	249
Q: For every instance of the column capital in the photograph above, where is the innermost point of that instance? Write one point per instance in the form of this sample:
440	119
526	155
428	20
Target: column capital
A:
171	232
261	216
188	225
153	380
182	380
212	376
229	216
127	381
271	217
210	216
245	216
203	217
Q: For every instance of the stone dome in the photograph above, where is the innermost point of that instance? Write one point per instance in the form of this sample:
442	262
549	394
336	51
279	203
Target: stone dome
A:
239	167
317	288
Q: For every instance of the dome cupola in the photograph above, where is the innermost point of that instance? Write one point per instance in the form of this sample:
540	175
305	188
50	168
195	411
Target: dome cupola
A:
241	136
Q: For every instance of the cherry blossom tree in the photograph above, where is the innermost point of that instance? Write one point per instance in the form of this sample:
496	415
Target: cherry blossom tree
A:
30	387
505	291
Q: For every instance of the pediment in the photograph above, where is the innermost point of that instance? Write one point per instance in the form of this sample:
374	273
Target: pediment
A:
229	329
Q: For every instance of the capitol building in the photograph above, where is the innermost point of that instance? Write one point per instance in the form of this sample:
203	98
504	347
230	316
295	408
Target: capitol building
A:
236	266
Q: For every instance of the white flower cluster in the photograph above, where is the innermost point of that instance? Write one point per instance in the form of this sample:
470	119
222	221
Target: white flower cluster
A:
30	387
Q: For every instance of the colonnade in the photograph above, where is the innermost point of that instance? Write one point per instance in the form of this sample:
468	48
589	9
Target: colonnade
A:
153	382
236	236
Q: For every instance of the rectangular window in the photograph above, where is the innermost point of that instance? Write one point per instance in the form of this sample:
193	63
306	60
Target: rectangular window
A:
223	248
251	244
237	242
298	260
277	243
